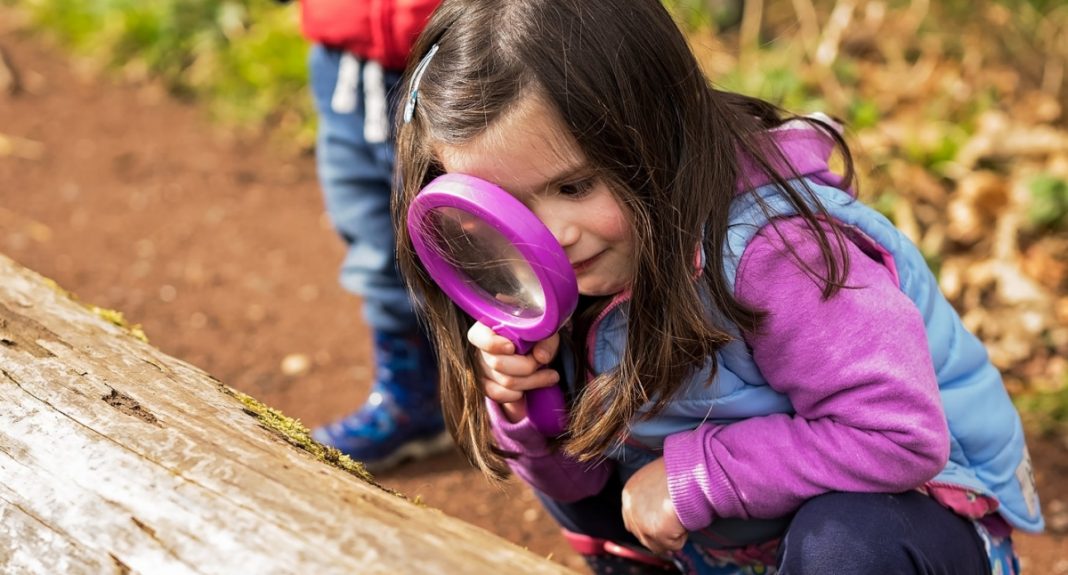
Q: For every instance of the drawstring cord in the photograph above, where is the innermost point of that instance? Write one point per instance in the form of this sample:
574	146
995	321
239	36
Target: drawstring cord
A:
376	114
345	98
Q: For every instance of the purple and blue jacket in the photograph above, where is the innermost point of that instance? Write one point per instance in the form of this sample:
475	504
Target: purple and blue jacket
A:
878	389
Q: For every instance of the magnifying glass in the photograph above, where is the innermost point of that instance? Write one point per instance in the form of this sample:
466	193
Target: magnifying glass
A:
499	263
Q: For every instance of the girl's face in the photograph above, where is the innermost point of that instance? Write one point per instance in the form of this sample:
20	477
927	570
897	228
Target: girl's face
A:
529	152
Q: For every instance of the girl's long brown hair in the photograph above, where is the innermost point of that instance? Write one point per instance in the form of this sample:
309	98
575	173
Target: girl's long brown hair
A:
632	95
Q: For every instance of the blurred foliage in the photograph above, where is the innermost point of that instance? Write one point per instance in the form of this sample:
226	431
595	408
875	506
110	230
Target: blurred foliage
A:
1049	202
955	111
1046	412
244	58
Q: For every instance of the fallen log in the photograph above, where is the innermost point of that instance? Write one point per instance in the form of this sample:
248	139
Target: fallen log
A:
116	458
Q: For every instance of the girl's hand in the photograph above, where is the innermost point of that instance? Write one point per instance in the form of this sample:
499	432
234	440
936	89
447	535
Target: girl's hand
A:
506	376
648	511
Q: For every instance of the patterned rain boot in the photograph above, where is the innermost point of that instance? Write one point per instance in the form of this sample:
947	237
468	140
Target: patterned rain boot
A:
401	419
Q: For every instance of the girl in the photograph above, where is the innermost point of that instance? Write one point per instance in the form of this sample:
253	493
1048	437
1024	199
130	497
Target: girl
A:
762	372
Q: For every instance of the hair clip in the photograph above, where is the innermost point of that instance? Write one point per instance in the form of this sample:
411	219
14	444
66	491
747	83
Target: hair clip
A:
413	88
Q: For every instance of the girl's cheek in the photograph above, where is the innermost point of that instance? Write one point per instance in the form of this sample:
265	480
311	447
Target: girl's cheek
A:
617	227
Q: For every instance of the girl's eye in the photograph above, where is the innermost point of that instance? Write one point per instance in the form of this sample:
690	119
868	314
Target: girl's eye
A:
579	188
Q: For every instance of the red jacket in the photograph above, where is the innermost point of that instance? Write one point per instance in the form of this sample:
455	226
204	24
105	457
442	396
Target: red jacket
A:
380	30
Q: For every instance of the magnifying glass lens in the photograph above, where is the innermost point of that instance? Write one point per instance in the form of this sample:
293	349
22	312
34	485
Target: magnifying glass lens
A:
487	260
499	263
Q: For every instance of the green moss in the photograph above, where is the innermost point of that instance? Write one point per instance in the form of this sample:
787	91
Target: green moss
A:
57	288
289	429
111	316
294	433
116	318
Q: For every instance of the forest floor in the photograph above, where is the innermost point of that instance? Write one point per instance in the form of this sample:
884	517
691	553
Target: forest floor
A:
218	246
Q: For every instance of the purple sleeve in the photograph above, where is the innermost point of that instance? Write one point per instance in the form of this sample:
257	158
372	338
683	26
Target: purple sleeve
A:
551	472
860	377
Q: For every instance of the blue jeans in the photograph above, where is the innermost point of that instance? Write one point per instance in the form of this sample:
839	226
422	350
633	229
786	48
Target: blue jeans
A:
356	177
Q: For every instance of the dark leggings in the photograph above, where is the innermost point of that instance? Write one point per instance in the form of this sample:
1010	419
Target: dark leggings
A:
871	533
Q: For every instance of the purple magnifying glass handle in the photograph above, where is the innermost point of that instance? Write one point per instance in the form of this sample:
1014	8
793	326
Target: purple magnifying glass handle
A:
499	263
546	406
547	410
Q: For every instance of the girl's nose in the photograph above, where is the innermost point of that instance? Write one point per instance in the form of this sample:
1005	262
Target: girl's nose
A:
560	220
565	230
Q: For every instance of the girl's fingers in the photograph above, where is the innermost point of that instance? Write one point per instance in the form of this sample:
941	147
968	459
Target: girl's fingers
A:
677	542
482	337
661	544
507	375
545	350
499	393
510	364
540	378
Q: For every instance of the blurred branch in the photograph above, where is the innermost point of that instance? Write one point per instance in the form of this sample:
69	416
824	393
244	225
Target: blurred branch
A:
809	23
10	79
1036	42
749	32
830	42
20	147
821	47
1054	31
917	12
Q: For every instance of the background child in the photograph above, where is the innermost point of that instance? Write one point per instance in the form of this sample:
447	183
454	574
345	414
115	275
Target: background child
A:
356	61
762	370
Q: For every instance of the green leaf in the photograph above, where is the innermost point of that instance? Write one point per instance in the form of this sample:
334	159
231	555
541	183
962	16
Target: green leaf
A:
1049	202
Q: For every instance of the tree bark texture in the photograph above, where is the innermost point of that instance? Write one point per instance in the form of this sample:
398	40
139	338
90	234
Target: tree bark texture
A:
116	458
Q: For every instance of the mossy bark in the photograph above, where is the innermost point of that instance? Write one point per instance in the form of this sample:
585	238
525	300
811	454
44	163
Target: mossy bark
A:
116	458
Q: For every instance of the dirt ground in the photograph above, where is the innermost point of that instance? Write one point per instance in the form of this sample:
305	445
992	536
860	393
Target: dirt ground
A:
221	250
